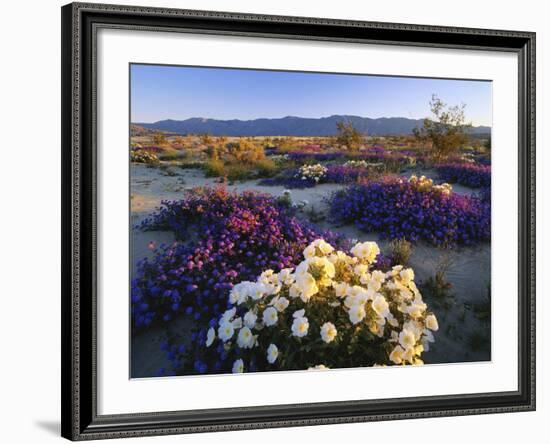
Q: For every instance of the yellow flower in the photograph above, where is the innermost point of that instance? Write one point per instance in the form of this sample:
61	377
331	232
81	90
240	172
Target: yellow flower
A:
396	356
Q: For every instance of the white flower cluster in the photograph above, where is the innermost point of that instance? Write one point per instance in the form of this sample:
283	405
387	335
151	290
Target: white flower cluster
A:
330	304
279	158
422	183
361	164
315	172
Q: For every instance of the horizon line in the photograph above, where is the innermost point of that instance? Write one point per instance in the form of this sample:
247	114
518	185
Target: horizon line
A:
285	117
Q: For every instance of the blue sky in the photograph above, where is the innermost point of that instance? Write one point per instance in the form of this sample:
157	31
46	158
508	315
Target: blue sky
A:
176	92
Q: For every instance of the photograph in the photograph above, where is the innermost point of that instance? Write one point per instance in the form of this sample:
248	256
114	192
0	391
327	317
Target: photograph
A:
306	221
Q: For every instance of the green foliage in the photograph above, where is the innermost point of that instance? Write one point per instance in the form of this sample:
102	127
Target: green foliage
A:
214	168
266	168
348	136
446	132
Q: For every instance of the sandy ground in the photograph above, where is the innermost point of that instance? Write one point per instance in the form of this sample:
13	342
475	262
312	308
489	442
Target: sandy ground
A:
464	333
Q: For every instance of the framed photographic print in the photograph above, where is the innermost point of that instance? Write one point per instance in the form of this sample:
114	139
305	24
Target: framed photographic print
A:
279	221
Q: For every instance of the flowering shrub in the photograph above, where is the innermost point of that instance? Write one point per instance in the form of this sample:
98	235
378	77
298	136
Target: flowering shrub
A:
402	209
236	236
468	174
143	156
312	172
332	311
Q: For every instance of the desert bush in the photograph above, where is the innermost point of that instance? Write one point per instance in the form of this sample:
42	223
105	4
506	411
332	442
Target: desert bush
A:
311	172
160	139
437	285
401	250
446	132
265	167
171	155
348	136
214	168
143	156
334	310
239	171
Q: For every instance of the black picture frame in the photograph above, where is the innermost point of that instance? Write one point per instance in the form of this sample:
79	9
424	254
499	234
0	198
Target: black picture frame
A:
80	22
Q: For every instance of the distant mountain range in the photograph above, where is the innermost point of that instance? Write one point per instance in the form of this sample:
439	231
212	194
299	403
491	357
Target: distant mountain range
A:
291	126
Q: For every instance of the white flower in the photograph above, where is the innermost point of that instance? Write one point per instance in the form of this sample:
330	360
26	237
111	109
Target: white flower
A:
416	309
407	339
328	332
285	276
388	305
378	276
323	265
272	353
300	326
225	332
431	322
381	306
250	319
325	247
357	313
320	244
270	316
340	289
210	336
294	291
245	339
366	250
407	275
319	367
281	303
240	292
361	270
238	366
227	316
307	286
258	291
299	313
